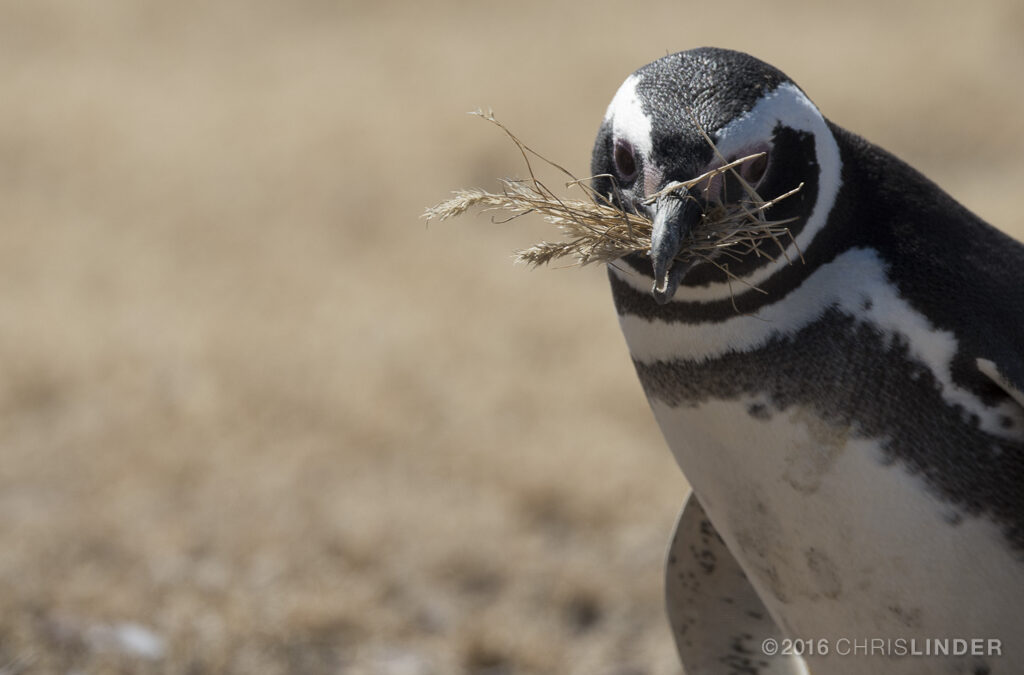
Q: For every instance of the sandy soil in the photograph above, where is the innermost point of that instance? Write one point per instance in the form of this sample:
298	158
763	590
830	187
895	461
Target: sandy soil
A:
255	417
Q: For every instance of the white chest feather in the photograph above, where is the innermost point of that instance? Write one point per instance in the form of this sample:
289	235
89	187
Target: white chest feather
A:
838	543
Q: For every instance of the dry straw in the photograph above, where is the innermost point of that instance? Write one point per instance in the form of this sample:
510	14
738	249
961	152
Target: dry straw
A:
600	231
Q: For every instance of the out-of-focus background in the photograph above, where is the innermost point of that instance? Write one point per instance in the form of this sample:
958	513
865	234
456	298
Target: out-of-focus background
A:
257	417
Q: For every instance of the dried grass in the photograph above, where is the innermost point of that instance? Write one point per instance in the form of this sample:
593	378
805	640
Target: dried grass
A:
597	230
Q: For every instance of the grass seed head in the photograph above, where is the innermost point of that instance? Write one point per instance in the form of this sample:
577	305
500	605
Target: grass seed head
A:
597	230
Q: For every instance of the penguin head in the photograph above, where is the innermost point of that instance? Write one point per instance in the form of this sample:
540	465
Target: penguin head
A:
652	136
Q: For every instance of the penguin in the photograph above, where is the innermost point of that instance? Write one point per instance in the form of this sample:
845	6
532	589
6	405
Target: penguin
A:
849	413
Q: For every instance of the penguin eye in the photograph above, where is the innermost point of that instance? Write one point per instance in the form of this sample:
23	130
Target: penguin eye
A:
625	161
753	171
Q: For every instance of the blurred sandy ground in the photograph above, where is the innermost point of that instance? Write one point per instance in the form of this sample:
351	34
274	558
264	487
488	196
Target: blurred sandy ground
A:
255	417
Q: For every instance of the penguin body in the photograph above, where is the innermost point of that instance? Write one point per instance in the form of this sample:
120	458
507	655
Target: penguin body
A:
850	419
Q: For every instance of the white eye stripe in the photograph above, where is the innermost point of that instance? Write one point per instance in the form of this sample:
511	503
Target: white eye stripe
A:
785	104
789	106
629	122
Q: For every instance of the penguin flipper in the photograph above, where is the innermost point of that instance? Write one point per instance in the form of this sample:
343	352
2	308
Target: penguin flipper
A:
1009	381
718	621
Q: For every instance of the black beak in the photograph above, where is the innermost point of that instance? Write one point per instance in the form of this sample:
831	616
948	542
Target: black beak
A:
676	213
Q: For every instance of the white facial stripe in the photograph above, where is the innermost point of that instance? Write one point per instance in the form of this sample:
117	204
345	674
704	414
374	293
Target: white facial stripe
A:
628	119
786	104
789	105
854	277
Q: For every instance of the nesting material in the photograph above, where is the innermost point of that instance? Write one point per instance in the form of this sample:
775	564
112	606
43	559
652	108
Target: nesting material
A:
597	230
